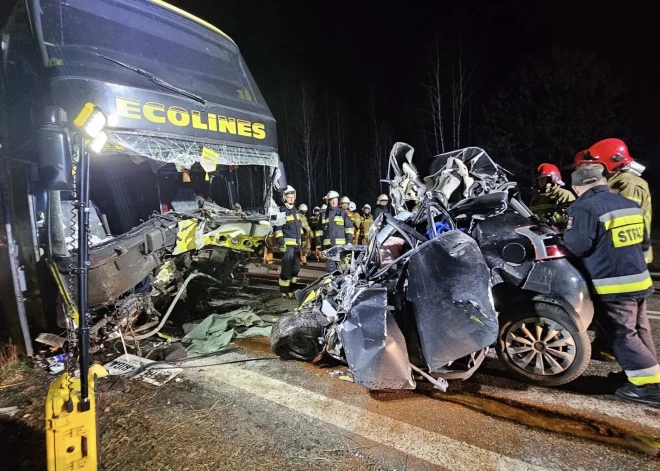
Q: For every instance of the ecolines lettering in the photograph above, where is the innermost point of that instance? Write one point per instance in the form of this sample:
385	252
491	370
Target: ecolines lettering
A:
156	113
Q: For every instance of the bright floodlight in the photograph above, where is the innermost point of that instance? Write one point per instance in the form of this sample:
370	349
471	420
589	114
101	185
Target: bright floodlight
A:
98	142
91	120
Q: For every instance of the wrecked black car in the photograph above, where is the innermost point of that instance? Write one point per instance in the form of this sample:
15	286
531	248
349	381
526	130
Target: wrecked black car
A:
463	266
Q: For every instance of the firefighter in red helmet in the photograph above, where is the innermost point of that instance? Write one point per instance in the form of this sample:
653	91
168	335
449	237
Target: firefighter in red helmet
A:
550	199
623	175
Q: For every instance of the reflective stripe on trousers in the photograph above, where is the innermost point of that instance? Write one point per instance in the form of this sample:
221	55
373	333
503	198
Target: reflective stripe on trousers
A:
626	326
290	268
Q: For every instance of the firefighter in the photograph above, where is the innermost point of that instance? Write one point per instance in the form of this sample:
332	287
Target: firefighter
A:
308	234
289	237
316	213
382	207
319	228
608	232
623	175
549	189
336	228
345	204
356	219
365	224
313	223
550	200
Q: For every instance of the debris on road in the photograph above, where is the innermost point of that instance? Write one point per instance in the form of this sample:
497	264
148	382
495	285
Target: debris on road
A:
52	340
217	330
8	412
344	375
128	363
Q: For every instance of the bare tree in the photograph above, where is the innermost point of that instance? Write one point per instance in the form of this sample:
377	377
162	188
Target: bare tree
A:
341	148
308	144
381	141
434	88
454	81
461	76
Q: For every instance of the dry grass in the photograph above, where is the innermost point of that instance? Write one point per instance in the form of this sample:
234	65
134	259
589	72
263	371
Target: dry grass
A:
9	355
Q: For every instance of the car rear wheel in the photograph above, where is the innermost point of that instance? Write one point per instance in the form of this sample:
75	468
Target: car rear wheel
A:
541	344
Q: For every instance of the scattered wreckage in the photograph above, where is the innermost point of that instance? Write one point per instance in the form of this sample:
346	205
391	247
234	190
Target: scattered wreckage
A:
463	266
137	278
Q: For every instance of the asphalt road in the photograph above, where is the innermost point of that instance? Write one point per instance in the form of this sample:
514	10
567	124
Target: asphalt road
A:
310	411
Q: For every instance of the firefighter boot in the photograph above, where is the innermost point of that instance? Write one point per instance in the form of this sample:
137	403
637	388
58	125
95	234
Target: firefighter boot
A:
648	394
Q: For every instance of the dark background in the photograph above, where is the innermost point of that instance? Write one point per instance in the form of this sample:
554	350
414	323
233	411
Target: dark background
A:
546	79
589	71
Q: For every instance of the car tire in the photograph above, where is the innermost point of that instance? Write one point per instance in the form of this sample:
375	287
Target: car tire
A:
528	348
296	337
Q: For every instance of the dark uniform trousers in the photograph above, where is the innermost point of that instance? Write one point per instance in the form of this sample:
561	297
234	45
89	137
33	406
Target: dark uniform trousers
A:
290	269
627	330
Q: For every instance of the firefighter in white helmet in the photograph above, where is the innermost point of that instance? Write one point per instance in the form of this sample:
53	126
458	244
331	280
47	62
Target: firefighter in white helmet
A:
336	228
383	206
289	236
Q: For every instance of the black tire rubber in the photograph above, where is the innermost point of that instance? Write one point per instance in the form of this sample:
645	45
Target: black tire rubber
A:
559	315
296	337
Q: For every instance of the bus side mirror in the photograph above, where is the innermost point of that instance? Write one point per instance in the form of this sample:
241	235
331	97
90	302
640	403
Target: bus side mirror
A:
281	183
54	151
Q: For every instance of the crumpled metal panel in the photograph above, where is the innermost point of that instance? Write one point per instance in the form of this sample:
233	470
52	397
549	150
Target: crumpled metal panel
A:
449	289
374	345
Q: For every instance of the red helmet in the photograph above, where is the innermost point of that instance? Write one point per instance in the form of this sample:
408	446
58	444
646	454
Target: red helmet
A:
611	153
549	170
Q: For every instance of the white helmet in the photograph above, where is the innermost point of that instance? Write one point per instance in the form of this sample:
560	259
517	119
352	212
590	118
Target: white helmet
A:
289	189
302	207
344	199
383	197
352	206
315	208
332	194
367	206
324	207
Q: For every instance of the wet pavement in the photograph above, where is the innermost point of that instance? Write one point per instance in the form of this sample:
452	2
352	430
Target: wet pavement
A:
403	430
488	422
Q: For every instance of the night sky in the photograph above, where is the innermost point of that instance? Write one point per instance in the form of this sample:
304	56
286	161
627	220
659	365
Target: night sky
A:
359	46
362	52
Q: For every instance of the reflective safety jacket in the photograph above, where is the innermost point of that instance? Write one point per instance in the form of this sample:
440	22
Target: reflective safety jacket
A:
607	231
305	225
291	232
550	196
365	227
635	189
356	219
335	228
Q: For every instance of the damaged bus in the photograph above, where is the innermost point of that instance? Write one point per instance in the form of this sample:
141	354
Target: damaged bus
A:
181	186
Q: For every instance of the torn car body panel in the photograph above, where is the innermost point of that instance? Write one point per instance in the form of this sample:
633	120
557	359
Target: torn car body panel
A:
375	348
461	247
449	290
